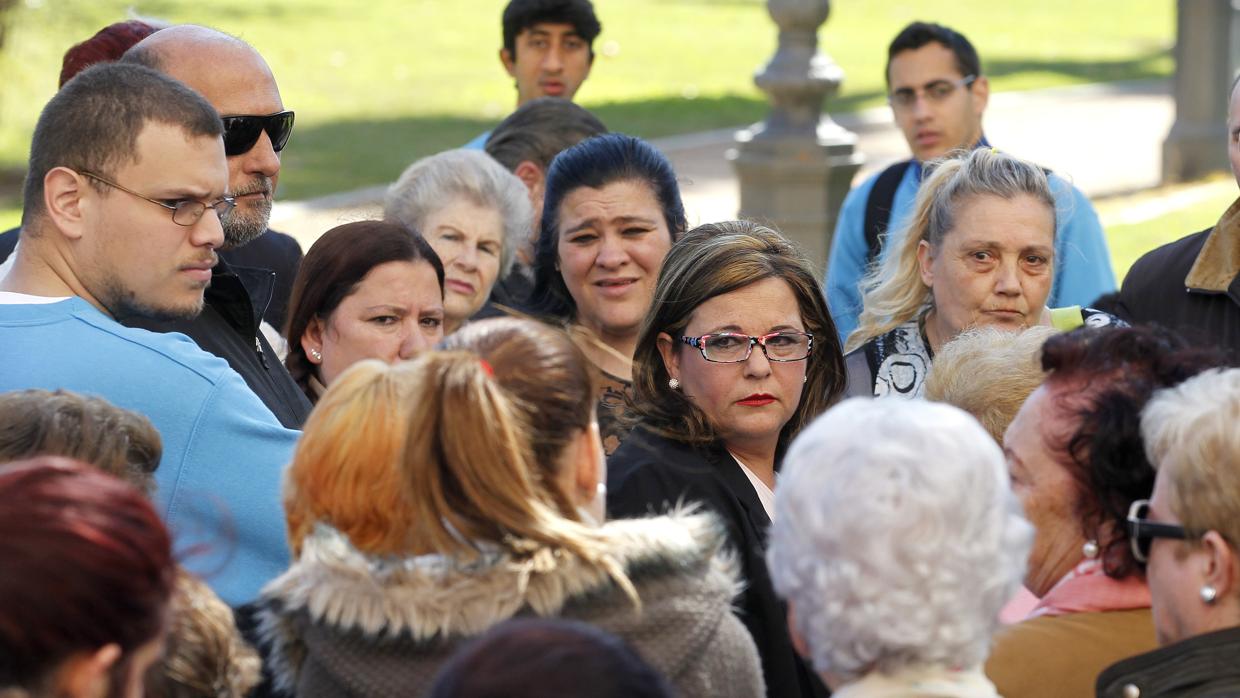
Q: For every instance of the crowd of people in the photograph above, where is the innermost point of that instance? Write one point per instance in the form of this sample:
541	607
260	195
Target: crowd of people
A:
531	434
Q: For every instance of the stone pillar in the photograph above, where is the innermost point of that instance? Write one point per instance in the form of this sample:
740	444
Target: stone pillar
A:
795	168
1206	44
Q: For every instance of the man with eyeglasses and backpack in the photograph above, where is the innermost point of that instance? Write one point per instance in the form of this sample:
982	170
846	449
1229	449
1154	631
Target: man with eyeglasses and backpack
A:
254	262
938	95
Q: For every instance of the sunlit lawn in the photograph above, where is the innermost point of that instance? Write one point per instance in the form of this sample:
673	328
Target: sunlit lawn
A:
376	85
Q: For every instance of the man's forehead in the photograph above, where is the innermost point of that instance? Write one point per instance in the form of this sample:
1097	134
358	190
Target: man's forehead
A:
549	29
923	65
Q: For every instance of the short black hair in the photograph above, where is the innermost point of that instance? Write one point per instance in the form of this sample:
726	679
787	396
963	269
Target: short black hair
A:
539	130
595	163
918	34
520	15
93	123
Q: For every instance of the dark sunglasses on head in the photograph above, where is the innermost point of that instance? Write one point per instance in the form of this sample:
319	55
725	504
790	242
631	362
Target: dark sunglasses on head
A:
242	132
1142	531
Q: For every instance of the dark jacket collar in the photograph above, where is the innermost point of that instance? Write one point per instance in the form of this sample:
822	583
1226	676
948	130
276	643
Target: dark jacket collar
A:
1208	660
240	294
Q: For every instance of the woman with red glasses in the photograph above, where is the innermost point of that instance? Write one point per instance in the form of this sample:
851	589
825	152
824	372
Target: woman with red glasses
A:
737	354
1187	534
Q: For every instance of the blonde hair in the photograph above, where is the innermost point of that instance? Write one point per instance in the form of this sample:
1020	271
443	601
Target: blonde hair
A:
1191	437
205	656
457	447
893	292
345	469
989	372
472	475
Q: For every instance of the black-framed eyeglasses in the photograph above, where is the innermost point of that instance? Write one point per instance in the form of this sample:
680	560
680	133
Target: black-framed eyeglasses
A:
733	348
1142	531
241	131
185	212
936	91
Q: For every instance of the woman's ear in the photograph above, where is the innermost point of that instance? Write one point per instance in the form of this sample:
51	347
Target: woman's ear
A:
87	674
671	358
925	263
312	341
1222	566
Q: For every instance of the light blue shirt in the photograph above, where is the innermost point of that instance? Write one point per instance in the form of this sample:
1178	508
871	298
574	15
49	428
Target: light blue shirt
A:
224	453
1082	261
478	143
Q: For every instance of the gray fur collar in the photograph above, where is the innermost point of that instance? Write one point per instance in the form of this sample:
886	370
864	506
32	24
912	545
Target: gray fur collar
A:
431	595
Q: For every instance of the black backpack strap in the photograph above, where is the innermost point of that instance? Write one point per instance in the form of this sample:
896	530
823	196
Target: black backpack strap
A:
878	208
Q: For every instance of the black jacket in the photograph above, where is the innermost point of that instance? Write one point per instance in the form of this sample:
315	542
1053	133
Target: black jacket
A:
271	250
651	474
228	328
1191	285
1205	666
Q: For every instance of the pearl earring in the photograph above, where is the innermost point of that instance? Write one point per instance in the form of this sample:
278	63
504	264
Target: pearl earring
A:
673	384
1208	594
316	355
1090	549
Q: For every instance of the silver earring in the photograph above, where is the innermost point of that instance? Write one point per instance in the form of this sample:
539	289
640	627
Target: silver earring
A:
673	384
1208	594
1090	549
316	355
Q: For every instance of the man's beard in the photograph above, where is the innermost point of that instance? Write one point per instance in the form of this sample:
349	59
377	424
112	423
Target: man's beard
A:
123	304
249	219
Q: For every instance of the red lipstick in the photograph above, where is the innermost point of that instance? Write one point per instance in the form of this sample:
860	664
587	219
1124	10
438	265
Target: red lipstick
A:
756	400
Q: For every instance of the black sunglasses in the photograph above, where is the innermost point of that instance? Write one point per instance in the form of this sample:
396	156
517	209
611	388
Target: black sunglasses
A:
1142	531
242	132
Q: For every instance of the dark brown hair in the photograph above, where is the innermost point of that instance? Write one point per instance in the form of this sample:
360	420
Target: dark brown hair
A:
709	261
336	263
1103	377
81	427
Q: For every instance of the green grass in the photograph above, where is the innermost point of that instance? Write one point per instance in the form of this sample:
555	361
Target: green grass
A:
1129	242
375	88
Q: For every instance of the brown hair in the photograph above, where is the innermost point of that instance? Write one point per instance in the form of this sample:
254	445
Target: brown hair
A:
709	261
204	655
330	272
82	427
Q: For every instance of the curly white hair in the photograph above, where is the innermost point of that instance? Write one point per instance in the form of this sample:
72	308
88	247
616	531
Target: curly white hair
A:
897	538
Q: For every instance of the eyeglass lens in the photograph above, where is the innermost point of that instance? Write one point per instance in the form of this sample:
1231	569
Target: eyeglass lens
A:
734	347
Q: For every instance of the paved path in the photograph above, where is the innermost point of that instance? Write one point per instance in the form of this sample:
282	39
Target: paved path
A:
1106	138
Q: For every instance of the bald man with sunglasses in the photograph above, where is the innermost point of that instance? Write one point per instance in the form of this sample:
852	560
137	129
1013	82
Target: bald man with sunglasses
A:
254	262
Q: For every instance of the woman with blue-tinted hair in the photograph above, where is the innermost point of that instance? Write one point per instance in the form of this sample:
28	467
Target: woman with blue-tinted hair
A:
896	555
611	211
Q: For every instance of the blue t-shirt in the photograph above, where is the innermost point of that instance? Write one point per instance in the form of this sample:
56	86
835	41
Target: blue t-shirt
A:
1082	261
224	453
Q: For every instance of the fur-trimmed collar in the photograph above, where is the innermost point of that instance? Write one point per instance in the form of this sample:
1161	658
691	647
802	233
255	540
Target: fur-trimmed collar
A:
1218	263
428	596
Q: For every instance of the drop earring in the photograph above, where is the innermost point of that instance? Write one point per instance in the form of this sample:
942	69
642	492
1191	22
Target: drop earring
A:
673	384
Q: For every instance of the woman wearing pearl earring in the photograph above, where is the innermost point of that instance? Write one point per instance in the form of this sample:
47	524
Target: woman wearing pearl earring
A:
1187	535
1077	464
737	354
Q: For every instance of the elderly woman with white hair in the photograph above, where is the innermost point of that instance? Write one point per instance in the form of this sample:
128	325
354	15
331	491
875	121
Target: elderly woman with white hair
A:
896	555
1188	536
473	212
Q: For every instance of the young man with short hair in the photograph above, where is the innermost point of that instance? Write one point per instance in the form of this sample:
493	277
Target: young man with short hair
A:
124	199
938	95
548	49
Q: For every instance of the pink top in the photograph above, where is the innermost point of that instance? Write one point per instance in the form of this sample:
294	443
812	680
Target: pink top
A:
1088	589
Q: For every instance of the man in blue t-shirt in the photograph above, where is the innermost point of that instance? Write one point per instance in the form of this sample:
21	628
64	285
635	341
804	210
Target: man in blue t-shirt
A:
938	95
123	199
548	49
